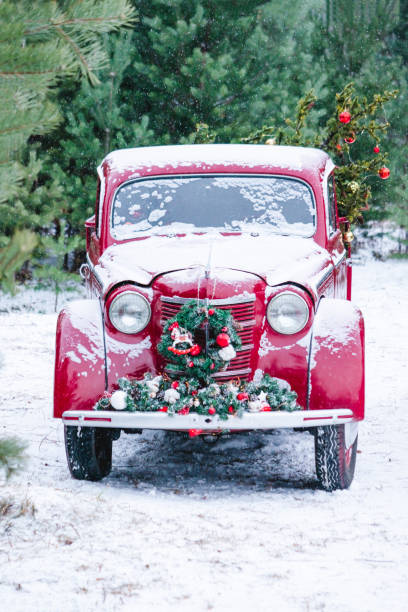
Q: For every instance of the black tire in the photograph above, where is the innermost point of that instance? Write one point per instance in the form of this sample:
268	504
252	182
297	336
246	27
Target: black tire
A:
335	464
89	452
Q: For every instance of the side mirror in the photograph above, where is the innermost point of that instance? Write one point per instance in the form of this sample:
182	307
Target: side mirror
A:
90	227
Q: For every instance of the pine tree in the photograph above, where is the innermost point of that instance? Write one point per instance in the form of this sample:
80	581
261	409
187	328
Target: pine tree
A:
198	61
41	43
353	119
95	122
183	63
363	42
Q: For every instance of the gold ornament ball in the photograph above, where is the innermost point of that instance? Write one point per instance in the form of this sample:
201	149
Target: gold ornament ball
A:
270	141
354	186
348	236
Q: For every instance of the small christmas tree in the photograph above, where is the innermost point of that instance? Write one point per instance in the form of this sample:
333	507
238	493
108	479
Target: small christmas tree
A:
351	135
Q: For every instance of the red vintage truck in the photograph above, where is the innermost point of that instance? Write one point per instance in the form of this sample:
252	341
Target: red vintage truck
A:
218	281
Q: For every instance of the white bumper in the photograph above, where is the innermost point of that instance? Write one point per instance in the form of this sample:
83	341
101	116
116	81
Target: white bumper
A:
185	422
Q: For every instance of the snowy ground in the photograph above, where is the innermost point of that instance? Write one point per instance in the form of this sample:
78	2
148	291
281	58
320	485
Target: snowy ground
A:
192	526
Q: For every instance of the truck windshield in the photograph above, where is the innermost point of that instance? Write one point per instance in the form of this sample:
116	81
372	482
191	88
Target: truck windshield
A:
183	204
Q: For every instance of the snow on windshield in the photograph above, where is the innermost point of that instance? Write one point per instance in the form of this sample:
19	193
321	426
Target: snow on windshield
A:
204	203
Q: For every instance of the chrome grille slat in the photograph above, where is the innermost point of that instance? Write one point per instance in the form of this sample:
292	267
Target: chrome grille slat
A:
239	299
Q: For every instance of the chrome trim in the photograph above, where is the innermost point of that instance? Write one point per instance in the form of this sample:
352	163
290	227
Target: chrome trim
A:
233	373
93	271
324	278
179	422
245	347
84	271
222	302
224	374
250	323
341	259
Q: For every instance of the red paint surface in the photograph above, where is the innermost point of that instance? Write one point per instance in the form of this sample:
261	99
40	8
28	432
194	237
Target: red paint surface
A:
335	381
337	358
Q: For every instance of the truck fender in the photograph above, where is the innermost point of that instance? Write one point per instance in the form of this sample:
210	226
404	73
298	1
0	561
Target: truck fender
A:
79	357
336	362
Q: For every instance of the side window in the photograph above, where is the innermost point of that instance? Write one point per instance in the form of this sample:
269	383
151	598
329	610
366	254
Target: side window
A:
332	204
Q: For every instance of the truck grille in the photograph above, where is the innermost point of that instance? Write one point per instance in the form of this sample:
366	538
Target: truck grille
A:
243	310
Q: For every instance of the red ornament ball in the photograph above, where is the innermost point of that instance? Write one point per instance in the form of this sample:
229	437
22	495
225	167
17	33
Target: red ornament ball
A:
212	366
350	139
195	350
223	340
376	149
266	409
231	409
211	311
164	409
345	117
384	172
175	384
224	329
193	433
191	364
211	410
338	147
242	396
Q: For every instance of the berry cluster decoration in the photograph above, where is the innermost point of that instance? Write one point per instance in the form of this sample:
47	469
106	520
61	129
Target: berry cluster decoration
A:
197	343
200	341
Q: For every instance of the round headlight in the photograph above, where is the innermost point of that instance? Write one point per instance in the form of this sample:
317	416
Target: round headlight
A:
287	313
129	312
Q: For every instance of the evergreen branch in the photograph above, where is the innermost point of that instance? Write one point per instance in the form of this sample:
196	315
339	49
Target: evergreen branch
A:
22	73
229	99
117	20
18	128
12	456
81	57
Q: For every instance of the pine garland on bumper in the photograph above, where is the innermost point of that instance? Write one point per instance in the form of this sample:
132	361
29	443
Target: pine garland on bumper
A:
198	342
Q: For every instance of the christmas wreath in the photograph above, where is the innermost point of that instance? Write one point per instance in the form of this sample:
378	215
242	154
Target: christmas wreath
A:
199	341
196	343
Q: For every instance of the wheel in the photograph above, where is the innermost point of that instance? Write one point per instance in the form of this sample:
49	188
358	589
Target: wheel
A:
89	452
335	455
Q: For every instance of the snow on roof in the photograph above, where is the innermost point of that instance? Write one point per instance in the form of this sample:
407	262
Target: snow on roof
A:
294	159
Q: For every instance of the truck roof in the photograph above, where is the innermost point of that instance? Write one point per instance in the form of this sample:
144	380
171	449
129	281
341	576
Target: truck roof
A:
125	164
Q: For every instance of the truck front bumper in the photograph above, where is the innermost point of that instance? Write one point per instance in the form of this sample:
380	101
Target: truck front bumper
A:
185	422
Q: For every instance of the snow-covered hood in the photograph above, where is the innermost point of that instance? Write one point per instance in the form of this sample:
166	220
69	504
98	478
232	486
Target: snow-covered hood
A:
275	259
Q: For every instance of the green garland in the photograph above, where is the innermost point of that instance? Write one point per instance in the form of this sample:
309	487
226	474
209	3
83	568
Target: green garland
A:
196	343
161	394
